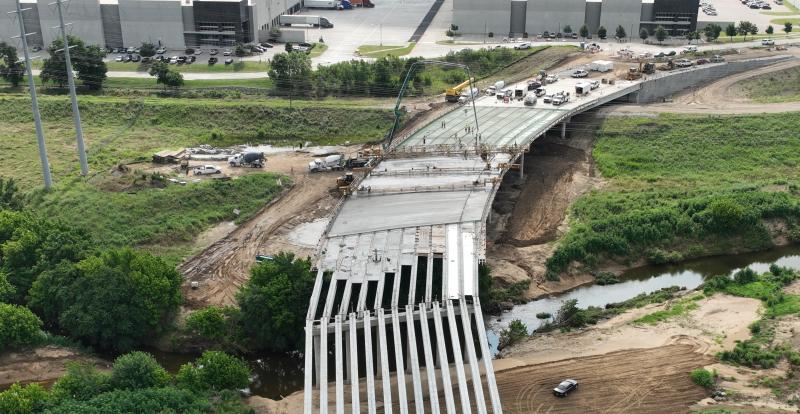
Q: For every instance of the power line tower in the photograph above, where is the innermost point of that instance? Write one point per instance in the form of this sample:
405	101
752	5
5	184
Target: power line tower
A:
48	180
76	113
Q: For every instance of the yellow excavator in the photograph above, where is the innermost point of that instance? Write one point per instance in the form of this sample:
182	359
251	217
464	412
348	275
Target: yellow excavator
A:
452	94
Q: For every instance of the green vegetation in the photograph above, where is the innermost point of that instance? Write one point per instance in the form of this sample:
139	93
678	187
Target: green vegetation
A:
687	185
120	130
87	62
136	384
681	307
218	327
515	332
239	66
760	351
18	326
703	378
317	49
775	87
146	212
376	51
114	300
274	302
214	371
606	278
11	69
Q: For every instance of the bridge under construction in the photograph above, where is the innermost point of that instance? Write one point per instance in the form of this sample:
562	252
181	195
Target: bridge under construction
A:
394	322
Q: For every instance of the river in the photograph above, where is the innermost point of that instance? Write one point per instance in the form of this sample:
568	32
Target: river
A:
689	274
278	375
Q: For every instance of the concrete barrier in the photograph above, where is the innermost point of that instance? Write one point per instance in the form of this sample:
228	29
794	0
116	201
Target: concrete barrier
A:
668	83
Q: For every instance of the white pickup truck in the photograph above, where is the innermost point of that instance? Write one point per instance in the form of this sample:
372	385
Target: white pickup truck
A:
205	169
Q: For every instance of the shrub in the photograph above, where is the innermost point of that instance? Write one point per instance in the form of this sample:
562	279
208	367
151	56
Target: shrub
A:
18	326
137	370
28	399
218	324
569	315
515	332
6	288
751	354
606	278
214	370
703	378
543	315
745	276
82	382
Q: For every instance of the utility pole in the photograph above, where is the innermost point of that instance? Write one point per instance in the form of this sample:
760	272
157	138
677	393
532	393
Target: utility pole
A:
76	113
380	29
37	119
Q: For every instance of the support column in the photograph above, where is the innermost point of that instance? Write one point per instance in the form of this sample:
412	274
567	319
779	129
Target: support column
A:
338	370
309	375
563	129
347	357
323	352
316	360
521	166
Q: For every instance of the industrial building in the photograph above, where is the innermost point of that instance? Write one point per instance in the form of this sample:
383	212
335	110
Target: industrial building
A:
168	23
516	18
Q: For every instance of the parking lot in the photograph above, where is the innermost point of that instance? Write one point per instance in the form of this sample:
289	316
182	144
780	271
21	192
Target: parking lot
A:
390	22
734	11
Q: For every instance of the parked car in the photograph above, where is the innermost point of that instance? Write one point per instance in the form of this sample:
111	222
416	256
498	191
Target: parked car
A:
191	59
266	45
173	60
213	52
228	61
135	58
130	50
161	51
226	52
701	61
212	60
119	58
263	258
767	42
181	59
580	73
198	52
205	170
683	63
523	46
127	58
565	387
717	59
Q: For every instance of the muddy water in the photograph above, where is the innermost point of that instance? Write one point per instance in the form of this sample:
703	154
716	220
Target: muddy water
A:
275	375
689	274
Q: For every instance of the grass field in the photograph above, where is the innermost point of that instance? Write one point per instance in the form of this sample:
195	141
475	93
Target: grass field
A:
376	51
317	49
122	130
795	21
165	220
783	86
686	186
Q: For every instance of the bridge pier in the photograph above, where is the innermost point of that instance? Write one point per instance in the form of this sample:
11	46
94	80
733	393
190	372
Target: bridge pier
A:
564	130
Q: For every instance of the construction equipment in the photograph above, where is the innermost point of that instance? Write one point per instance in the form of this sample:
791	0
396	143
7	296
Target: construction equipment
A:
329	163
344	180
649	68
633	73
452	94
249	159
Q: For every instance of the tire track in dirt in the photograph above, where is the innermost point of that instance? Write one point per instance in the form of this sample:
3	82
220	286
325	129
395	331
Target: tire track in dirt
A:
225	265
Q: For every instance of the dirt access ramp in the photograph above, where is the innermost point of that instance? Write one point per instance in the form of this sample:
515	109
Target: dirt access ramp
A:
42	365
641	381
224	266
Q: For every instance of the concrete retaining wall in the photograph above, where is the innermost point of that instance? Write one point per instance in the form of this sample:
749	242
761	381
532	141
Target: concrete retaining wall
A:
667	84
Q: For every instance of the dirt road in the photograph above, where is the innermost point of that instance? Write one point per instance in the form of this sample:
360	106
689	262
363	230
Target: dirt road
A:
652	380
225	265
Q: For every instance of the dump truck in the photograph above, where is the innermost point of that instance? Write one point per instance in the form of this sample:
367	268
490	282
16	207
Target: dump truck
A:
248	159
452	94
329	163
316	21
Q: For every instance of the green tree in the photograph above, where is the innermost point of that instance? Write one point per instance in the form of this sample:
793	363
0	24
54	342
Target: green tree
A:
239	50
274	302
745	28
288	47
147	400
569	315
602	32
28	399
291	73
137	370
484	283
643	34
712	32
216	371
621	33
11	69
7	290
692	36
584	31
165	76
29	245
787	27
567	29
18	326
216	324
147	49
81	382
661	34
515	332
113	300
86	60
769	30
731	30
9	194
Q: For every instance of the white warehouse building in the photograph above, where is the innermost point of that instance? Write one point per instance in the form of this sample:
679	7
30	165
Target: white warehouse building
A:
169	23
515	18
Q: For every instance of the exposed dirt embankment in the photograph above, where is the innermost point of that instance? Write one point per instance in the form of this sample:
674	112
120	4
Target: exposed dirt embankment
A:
45	364
530	213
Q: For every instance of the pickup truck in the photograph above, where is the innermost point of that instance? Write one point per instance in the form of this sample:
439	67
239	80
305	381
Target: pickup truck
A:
205	169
